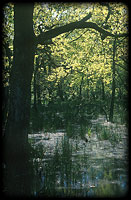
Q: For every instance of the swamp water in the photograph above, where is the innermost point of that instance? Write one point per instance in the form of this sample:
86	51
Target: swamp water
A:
67	167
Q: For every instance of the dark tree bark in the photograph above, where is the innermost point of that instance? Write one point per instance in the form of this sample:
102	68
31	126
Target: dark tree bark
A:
45	37
60	90
35	84
35	106
81	84
113	84
16	138
103	90
38	94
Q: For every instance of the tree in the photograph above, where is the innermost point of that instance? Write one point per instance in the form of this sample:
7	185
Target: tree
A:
25	43
113	83
16	136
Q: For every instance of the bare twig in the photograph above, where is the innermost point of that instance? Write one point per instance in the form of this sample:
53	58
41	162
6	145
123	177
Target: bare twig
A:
78	37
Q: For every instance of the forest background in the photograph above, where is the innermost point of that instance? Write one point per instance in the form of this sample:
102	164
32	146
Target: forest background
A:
62	63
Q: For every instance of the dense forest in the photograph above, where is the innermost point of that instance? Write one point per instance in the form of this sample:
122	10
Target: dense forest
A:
64	64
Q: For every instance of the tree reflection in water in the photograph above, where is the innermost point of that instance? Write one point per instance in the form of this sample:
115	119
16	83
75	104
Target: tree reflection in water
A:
74	168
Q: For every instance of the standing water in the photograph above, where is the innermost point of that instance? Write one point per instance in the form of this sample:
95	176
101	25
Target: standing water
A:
94	165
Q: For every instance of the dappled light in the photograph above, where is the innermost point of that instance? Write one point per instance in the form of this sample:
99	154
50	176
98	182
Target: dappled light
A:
65	99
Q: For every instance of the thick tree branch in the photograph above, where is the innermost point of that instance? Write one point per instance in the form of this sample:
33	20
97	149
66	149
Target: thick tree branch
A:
45	36
48	35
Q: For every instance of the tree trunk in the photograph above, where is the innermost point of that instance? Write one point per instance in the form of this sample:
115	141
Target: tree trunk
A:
103	90
35	77
39	94
38	89
81	84
113	84
35	107
16	138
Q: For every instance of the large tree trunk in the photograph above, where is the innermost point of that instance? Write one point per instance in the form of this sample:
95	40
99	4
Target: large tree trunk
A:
16	138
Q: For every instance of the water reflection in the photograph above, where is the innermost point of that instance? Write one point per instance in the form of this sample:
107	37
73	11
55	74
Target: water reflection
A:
71	167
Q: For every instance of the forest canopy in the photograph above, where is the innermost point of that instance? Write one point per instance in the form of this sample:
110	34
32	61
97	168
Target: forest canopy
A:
78	63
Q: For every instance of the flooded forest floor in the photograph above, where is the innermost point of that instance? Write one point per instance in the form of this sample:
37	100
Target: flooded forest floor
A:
81	161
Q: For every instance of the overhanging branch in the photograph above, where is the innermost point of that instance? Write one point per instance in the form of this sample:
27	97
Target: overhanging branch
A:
48	35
